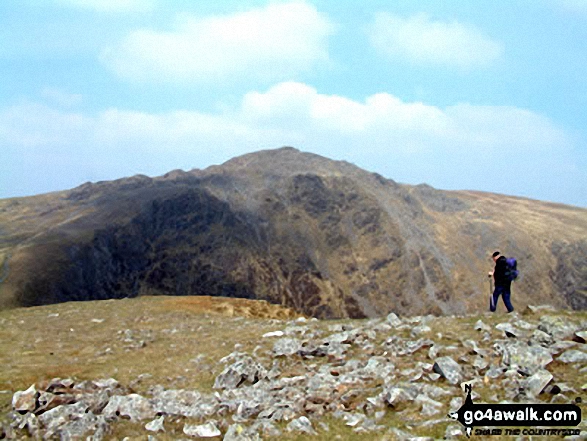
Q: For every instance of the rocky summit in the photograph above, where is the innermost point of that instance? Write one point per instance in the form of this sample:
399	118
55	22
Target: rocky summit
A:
323	237
390	378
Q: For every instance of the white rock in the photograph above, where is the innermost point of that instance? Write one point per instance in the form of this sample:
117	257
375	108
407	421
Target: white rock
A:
274	334
301	424
208	430
25	401
156	425
394	320
573	356
135	406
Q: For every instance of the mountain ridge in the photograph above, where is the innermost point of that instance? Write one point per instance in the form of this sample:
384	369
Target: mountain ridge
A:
324	237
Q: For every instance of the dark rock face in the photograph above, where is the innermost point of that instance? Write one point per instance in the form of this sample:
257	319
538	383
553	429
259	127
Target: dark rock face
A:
190	244
323	237
570	274
170	249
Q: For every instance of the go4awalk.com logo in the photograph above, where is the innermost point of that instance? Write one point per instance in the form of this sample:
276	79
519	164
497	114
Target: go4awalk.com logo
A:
537	419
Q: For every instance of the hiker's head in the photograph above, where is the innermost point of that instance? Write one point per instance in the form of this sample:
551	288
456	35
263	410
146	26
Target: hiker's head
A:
495	256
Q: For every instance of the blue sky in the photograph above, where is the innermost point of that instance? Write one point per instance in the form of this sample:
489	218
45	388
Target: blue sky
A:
485	95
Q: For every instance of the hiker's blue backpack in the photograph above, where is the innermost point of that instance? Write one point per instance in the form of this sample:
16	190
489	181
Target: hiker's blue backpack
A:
511	272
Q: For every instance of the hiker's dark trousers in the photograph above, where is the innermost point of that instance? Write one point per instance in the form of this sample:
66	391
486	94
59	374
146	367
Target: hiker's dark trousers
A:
504	292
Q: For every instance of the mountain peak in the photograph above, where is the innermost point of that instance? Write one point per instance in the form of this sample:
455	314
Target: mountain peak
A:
324	237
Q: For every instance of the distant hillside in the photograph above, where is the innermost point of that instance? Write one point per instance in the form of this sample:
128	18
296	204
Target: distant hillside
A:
323	237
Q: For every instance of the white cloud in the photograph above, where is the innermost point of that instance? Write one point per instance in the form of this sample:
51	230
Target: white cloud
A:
574	6
111	5
423	41
273	43
494	148
41	128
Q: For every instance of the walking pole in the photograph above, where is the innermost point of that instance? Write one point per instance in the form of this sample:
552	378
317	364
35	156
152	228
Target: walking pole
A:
491	305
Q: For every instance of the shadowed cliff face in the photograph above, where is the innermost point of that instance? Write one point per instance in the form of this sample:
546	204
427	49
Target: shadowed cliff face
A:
321	236
570	273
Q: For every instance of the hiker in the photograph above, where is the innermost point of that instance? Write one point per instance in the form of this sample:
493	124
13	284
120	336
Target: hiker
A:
502	283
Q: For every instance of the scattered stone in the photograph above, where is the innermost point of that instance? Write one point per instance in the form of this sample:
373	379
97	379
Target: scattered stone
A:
208	430
358	380
429	406
527	358
573	356
25	401
236	432
473	347
285	347
186	403
133	406
420	329
509	330
480	363
265	428
580	337
82	426
368	425
480	326
274	334
557	326
536	309
455	404
396	396
246	370
561	346
48	401
354	419
394	320
453	431
414	346
301	424
107	383
535	384
542	338
156	425
449	369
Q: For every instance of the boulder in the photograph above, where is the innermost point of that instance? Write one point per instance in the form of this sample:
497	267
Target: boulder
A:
301	424
535	384
557	326
244	371
53	419
285	347
25	401
509	330
133	406
156	425
394	320
236	432
208	430
525	357
573	356
449	369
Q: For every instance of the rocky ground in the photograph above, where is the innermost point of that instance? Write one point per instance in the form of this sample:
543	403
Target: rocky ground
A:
148	368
